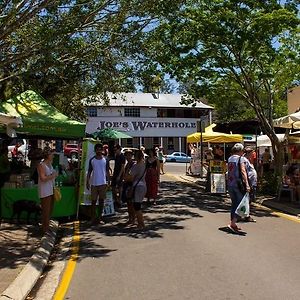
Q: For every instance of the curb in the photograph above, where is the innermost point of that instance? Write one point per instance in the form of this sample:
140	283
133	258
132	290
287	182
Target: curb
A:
27	278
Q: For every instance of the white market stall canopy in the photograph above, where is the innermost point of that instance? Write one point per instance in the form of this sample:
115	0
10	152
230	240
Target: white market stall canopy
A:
289	121
264	140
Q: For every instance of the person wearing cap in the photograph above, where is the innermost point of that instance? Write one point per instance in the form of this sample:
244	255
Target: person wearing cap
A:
236	165
97	180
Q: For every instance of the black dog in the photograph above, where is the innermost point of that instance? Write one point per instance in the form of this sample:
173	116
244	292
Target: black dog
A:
31	207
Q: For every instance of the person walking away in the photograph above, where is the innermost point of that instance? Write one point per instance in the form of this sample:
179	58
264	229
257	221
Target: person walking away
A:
97	180
266	160
46	181
152	176
160	155
127	184
236	166
139	187
116	182
252	179
251	155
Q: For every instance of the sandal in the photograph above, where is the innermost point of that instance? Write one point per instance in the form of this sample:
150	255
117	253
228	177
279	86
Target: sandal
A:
250	219
234	228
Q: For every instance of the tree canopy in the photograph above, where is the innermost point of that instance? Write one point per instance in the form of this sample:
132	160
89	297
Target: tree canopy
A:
237	54
69	49
239	50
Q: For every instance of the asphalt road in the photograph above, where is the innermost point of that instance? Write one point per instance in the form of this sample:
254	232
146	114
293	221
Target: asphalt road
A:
185	254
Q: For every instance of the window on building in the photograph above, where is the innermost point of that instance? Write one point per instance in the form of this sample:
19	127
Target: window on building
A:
91	111
170	143
156	141
132	112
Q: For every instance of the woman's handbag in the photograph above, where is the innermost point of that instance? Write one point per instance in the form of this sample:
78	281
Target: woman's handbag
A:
130	192
56	194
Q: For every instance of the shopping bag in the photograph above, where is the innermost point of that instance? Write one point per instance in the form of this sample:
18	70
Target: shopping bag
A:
57	194
243	210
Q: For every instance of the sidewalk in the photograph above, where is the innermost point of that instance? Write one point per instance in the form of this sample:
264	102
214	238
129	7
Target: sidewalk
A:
290	208
24	254
17	244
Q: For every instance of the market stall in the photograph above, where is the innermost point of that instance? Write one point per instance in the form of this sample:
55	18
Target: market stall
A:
216	168
40	121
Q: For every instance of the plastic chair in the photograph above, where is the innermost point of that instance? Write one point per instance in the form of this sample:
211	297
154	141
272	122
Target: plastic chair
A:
286	189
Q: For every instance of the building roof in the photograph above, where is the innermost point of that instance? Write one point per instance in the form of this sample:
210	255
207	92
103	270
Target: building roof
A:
143	100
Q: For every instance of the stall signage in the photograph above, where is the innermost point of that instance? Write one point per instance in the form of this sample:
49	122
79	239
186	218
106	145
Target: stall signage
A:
217	166
218	183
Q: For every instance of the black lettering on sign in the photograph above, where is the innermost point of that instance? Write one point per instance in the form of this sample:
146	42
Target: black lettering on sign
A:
155	124
174	125
193	125
101	125
187	125
109	124
161	124
139	125
167	124
116	124
181	125
125	124
149	125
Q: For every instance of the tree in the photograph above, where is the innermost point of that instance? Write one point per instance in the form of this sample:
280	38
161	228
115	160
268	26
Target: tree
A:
69	49
250	46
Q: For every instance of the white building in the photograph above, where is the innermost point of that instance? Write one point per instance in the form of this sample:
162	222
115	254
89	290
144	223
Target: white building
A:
151	119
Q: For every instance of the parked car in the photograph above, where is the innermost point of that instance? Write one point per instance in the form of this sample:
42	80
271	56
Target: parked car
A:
72	150
178	157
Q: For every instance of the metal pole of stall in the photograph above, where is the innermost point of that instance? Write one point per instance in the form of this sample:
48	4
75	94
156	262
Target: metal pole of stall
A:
201	153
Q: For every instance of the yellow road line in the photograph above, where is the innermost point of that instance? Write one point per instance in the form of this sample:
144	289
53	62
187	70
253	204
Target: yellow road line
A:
68	273
273	211
277	213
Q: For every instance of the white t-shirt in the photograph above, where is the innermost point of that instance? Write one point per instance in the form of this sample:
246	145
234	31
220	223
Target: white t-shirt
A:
98	167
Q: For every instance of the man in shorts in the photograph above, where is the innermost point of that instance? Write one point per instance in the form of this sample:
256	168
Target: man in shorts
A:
97	180
119	168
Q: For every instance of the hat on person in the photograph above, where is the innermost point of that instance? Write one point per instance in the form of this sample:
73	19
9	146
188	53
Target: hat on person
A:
238	147
142	148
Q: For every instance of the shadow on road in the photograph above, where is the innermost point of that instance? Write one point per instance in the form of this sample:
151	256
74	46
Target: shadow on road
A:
192	197
179	202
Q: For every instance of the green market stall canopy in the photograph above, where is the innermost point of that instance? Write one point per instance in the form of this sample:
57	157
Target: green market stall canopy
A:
40	118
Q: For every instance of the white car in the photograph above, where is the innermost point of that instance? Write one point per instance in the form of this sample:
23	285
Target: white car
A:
178	157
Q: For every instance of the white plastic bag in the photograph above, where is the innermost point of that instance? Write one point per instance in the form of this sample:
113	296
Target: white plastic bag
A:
243	210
